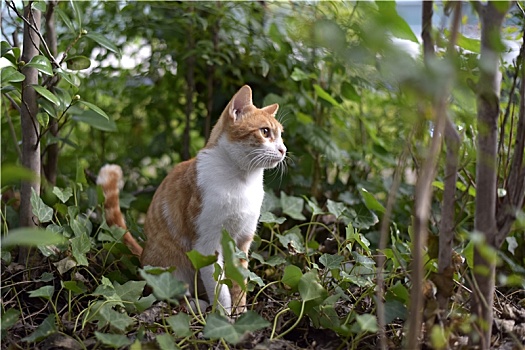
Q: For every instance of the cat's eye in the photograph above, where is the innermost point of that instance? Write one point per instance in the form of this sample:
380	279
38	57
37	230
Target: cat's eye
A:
265	132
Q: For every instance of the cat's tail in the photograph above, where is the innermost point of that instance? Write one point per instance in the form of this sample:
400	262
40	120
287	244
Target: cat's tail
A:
110	179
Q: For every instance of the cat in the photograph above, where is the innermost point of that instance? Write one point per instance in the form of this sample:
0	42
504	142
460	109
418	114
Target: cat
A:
220	189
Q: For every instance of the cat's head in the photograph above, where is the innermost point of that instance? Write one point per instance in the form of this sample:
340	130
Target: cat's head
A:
251	135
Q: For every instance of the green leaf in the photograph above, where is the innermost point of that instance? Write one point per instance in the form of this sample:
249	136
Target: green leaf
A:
469	44
367	323
118	320
39	5
310	288
96	120
314	206
292	206
11	75
114	340
232	266
298	75
199	261
64	194
12	174
130	291
46	328
80	246
144	303
362	217
43	119
104	42
335	208
218	327
250	321
331	261
349	92
78	13
94	108
165	286
180	324
31	237
41	64
269	217
78	63
64	17
293	241
74	286
71	78
45	93
166	342
45	292
9	318
395	23
394	309
370	201
292	275
325	95
5	47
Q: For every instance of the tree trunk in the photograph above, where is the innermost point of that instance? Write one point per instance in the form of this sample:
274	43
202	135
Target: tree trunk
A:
51	165
29	123
427	174
486	171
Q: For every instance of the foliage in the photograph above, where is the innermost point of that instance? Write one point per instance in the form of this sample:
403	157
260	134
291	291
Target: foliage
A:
356	110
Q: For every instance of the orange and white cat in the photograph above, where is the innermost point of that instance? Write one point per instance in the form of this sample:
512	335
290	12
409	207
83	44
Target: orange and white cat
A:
221	188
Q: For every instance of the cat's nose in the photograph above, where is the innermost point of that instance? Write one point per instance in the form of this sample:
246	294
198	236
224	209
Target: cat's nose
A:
282	149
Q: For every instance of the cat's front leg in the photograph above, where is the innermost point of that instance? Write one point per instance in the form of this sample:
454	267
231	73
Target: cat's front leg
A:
216	289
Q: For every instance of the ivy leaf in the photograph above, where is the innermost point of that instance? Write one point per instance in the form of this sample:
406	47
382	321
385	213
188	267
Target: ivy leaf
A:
310	288
130	291
74	286
165	286
120	321
293	240
370	201
292	206
292	275
335	208
269	217
46	328
366	323
31	237
232	268
80	246
64	194
41	64
362	217
331	261
45	292
43	212
218	327
104	42
166	342
114	340
250	321
45	93
9	318
180	324
199	261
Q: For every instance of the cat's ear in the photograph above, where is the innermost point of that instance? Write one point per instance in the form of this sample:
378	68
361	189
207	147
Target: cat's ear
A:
240	100
271	109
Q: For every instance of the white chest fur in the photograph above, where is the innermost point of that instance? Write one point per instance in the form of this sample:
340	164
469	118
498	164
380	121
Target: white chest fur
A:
231	197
